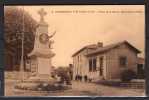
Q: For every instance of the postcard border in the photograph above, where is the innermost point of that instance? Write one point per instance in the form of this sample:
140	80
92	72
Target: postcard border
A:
74	2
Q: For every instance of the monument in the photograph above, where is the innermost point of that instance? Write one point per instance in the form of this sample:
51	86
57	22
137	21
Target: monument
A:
42	54
40	57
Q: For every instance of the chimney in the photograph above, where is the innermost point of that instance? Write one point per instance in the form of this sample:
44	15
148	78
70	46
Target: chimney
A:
100	44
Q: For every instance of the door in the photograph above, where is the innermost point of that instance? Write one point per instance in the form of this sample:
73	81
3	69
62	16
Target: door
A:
101	66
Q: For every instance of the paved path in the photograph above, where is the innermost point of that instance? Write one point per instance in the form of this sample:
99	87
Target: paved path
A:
78	89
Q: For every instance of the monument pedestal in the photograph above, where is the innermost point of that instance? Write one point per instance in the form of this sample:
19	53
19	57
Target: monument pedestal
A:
44	66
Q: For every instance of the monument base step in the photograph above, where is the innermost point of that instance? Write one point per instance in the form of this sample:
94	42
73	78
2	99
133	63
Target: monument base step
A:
40	78
40	83
43	86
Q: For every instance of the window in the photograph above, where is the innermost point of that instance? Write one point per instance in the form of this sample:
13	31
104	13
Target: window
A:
123	61
90	65
94	64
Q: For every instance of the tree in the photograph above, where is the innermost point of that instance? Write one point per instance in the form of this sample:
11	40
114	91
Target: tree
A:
63	73
13	24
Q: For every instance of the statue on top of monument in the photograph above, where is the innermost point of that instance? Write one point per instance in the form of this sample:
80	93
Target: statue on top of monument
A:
51	41
52	34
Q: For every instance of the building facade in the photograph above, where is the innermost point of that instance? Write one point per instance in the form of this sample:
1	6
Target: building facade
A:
104	62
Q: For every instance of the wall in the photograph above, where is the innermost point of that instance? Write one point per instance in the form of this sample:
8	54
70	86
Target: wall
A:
113	67
80	64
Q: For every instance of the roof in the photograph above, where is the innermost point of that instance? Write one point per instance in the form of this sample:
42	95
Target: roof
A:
108	47
92	46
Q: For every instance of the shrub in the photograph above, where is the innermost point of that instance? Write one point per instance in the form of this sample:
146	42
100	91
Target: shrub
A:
50	87
127	75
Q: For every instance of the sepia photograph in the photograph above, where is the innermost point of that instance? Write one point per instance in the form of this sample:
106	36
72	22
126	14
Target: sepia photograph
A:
74	50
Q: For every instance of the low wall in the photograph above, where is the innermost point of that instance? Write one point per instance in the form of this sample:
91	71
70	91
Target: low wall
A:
16	75
135	84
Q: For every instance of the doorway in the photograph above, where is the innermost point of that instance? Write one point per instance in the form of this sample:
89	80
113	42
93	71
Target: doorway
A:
101	66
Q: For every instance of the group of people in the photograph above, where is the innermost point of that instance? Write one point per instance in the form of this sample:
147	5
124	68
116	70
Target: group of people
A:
80	78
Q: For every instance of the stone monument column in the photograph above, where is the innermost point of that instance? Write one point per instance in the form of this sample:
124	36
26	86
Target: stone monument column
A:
42	54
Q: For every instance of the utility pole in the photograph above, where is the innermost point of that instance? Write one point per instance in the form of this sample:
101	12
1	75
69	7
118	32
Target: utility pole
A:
22	53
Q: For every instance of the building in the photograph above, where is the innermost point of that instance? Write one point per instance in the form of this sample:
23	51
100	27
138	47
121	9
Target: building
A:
104	62
141	68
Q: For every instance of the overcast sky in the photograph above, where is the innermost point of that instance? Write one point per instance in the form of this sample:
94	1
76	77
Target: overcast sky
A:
78	26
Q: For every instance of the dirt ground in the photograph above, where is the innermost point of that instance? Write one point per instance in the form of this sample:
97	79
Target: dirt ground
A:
78	89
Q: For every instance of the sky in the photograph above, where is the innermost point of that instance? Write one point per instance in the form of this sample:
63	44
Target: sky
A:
78	26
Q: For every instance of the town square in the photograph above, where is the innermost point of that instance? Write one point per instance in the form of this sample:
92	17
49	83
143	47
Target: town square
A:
74	50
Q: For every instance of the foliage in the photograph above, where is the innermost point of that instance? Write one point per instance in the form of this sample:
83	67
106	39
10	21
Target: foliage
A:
13	25
50	87
127	75
13	22
64	75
